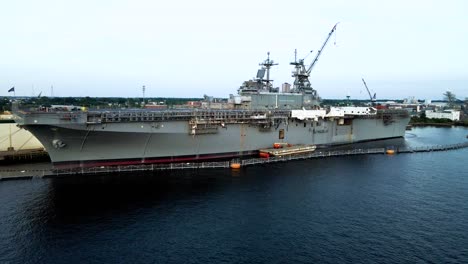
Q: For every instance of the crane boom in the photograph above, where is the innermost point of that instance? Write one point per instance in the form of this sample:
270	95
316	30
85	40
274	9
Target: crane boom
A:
320	50
371	98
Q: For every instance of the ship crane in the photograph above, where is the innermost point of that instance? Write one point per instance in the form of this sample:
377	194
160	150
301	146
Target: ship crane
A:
320	50
301	74
372	98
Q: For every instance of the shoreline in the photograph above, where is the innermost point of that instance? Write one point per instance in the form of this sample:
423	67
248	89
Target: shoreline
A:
449	124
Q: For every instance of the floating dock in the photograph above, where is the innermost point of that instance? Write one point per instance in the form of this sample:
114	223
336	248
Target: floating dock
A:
286	150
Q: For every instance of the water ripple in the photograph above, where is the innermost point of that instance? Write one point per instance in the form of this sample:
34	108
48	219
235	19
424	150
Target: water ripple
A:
382	209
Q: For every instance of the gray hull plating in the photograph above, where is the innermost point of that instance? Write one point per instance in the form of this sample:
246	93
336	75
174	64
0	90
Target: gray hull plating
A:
143	142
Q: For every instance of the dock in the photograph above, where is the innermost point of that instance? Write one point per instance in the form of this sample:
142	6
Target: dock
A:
10	174
24	155
280	150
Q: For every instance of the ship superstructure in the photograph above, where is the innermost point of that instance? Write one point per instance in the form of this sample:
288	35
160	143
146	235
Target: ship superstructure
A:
256	118
259	93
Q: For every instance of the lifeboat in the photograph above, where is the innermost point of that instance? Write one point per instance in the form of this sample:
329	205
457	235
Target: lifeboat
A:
277	145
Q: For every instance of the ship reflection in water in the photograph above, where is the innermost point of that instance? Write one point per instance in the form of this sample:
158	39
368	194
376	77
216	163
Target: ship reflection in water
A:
401	208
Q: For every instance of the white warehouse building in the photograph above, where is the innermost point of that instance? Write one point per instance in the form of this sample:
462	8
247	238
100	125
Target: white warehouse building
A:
453	115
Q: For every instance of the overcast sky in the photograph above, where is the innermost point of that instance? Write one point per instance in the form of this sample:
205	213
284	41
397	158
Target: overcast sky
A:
189	48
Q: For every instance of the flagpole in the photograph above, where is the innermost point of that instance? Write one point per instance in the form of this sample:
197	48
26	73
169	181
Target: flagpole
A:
11	145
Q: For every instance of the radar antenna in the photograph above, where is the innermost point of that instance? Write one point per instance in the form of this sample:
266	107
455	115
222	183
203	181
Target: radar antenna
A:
259	84
266	65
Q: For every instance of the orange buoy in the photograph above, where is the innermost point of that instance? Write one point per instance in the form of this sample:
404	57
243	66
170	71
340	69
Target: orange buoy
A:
235	165
390	151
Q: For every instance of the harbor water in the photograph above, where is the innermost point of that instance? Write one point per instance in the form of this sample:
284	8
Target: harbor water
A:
405	208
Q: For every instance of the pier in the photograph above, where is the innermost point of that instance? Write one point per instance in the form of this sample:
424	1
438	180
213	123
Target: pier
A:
10	174
26	155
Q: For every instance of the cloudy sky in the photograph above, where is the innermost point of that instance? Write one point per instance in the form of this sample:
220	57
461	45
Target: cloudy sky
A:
190	48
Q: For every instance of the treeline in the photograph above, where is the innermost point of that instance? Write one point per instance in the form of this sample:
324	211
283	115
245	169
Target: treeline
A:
5	104
94	102
350	102
424	120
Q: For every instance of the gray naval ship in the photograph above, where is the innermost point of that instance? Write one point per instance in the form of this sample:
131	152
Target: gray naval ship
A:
258	117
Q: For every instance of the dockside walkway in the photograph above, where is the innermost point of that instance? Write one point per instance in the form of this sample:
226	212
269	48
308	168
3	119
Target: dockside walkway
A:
28	174
24	155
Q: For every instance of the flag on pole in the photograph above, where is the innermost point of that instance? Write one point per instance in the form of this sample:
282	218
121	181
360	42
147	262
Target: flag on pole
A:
12	89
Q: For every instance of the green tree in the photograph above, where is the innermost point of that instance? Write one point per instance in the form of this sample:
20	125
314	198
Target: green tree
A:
423	116
450	98
5	104
464	107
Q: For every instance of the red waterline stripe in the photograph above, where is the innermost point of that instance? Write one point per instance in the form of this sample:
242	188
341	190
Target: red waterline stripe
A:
99	163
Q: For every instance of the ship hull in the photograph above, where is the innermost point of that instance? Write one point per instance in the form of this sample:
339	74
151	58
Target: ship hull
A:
124	143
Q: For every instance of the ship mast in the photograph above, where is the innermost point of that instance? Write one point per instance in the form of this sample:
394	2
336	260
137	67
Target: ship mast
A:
267	65
9	137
